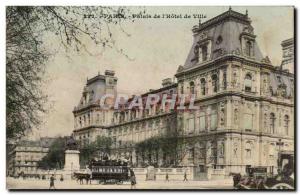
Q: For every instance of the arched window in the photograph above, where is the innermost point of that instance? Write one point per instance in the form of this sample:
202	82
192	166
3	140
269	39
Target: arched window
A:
192	87
286	124
203	83
215	82
272	123
204	53
248	83
248	48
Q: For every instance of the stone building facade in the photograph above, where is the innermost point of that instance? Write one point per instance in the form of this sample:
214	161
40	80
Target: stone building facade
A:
25	155
246	103
246	115
89	120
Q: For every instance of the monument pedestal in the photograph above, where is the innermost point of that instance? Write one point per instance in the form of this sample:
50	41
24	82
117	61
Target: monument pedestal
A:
71	162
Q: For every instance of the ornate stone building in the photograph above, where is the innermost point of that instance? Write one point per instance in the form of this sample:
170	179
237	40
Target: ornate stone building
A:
25	155
246	115
89	120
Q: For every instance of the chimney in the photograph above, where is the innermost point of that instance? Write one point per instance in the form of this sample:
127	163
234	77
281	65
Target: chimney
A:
288	55
109	73
167	82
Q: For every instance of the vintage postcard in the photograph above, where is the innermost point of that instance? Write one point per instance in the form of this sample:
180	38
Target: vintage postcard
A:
150	98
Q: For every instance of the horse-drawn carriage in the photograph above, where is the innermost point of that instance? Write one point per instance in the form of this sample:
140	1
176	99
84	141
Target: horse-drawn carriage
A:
258	177
105	171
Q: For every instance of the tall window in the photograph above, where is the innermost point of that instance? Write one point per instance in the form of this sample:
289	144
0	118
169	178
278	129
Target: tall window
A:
213	119
215	82
272	123
248	48
248	83
203	83
204	53
191	124
286	124
224	80
202	121
192	87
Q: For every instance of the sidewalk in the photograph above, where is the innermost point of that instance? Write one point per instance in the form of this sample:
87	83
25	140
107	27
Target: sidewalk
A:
71	184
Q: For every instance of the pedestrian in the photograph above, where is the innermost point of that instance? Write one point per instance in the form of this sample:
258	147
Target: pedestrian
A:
132	180
167	177
185	177
52	182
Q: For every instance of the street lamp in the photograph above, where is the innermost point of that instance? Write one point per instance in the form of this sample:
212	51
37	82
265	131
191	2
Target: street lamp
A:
279	144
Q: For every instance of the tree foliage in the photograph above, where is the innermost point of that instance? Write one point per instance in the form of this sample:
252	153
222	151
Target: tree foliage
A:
55	159
170	143
26	52
102	145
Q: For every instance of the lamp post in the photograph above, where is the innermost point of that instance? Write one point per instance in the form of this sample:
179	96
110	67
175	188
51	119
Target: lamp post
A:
279	144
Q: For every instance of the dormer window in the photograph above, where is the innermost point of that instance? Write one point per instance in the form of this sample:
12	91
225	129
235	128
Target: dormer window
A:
204	53
248	48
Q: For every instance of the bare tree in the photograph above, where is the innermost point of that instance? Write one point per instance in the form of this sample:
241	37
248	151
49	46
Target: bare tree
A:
26	53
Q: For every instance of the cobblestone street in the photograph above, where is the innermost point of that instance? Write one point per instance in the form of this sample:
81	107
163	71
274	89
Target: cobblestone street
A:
71	184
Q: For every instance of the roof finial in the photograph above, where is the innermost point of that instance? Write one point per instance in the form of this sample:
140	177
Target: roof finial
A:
246	12
230	8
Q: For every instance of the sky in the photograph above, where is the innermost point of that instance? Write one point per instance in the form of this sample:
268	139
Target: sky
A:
157	47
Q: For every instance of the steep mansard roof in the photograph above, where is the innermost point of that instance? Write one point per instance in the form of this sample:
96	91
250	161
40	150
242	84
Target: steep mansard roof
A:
230	26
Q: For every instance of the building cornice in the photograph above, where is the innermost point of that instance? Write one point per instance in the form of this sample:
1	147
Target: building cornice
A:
242	95
231	57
